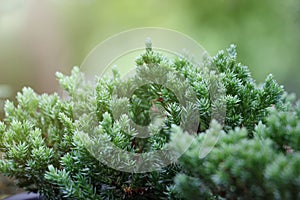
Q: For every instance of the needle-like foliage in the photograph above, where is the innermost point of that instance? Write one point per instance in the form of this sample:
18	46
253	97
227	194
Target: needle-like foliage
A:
42	136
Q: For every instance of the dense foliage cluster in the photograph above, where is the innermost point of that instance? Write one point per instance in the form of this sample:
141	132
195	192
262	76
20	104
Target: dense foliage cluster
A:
256	155
263	167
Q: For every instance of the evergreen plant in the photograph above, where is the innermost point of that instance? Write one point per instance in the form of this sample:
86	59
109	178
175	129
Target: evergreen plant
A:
256	155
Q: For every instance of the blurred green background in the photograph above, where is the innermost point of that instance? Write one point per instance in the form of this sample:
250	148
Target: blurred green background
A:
40	37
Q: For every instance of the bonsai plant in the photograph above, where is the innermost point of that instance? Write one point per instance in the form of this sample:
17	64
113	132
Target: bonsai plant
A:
45	150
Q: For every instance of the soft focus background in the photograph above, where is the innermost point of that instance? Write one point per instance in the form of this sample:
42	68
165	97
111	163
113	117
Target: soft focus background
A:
40	37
